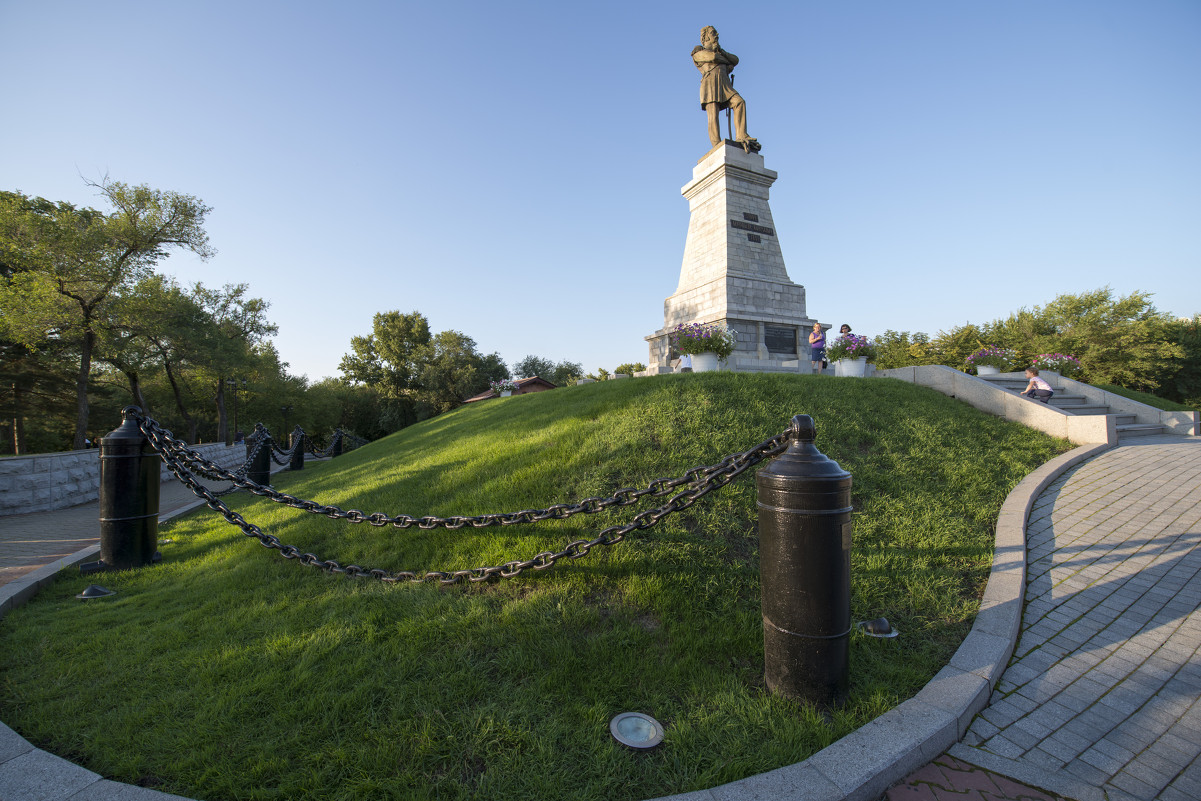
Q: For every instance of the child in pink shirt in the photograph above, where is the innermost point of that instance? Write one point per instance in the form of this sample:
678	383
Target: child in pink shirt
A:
1037	388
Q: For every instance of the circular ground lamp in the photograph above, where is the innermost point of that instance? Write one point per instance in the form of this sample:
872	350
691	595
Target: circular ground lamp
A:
636	730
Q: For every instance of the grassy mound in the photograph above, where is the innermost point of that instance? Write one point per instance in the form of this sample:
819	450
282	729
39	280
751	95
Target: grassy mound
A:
1153	401
228	672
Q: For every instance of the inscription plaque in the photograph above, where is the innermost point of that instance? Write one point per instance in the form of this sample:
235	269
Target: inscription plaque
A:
780	339
746	226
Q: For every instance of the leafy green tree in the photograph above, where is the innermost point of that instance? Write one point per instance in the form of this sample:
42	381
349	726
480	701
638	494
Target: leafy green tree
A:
155	325
64	267
532	366
241	324
560	374
391	356
900	349
629	368
36	399
492	368
1122	341
1182	383
452	371
1118	340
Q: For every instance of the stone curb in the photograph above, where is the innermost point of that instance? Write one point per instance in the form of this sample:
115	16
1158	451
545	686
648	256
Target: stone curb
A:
869	760
859	767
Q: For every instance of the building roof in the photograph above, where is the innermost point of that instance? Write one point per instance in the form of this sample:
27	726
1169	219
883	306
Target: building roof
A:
524	385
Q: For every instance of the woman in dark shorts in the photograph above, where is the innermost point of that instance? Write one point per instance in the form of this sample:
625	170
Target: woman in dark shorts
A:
817	347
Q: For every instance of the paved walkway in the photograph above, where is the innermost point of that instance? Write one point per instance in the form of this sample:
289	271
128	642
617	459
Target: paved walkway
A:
1100	699
30	541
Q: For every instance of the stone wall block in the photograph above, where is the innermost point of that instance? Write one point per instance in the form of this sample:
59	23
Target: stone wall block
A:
13	466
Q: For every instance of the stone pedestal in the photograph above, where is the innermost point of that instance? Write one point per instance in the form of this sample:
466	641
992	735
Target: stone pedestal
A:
733	270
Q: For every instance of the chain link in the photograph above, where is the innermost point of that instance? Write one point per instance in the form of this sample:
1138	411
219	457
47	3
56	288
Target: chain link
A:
183	461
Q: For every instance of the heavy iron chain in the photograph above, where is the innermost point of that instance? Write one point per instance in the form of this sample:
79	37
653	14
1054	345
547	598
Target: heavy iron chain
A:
181	460
201	470
329	450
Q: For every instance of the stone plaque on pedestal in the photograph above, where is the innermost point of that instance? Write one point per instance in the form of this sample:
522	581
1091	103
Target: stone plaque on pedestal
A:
733	270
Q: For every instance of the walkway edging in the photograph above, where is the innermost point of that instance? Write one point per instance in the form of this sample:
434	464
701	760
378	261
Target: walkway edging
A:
859	767
869	760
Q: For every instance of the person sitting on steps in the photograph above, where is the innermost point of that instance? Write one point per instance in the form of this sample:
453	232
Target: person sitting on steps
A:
1037	388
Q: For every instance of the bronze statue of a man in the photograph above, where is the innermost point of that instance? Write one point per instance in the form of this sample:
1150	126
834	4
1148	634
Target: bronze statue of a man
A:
717	90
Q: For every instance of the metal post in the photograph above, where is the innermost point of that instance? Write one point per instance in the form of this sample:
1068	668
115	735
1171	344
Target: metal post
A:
297	445
337	446
129	486
259	470
804	501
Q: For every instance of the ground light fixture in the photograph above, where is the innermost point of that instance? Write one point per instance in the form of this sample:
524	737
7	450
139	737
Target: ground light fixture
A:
94	591
636	730
878	628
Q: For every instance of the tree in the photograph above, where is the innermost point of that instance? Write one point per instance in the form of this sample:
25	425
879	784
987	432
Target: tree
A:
36	399
241	324
451	371
532	366
560	374
900	349
492	368
390	357
64	267
417	375
629	368
1123	341
1182	382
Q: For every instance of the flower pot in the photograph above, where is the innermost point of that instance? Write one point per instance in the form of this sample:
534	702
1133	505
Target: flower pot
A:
987	369
704	362
506	393
850	368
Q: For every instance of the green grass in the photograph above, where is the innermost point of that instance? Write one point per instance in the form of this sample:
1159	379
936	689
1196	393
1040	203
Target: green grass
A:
228	672
1147	398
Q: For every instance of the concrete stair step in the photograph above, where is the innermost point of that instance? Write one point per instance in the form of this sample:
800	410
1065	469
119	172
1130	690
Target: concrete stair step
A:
1082	408
1139	430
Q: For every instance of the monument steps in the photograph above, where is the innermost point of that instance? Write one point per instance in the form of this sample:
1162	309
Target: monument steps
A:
1127	425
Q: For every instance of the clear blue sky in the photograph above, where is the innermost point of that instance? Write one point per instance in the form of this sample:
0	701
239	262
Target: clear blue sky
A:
512	170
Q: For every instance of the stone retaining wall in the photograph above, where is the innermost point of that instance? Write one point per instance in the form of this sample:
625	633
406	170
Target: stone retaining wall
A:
47	481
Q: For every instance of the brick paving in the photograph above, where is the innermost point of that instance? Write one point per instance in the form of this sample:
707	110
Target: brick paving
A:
950	779
29	541
1100	700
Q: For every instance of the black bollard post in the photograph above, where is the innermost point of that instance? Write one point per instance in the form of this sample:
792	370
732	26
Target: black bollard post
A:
297	462
258	446
337	443
804	501
129	486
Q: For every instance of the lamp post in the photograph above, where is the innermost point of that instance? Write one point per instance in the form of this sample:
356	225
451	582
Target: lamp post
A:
235	384
286	410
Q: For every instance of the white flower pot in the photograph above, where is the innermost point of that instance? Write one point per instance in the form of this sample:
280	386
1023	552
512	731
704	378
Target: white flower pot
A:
987	369
851	368
506	393
704	362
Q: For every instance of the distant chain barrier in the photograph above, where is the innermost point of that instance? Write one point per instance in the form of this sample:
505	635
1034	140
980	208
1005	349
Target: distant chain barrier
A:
187	465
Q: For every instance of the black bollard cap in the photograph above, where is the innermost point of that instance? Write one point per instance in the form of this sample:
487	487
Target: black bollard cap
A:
803	459
130	427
